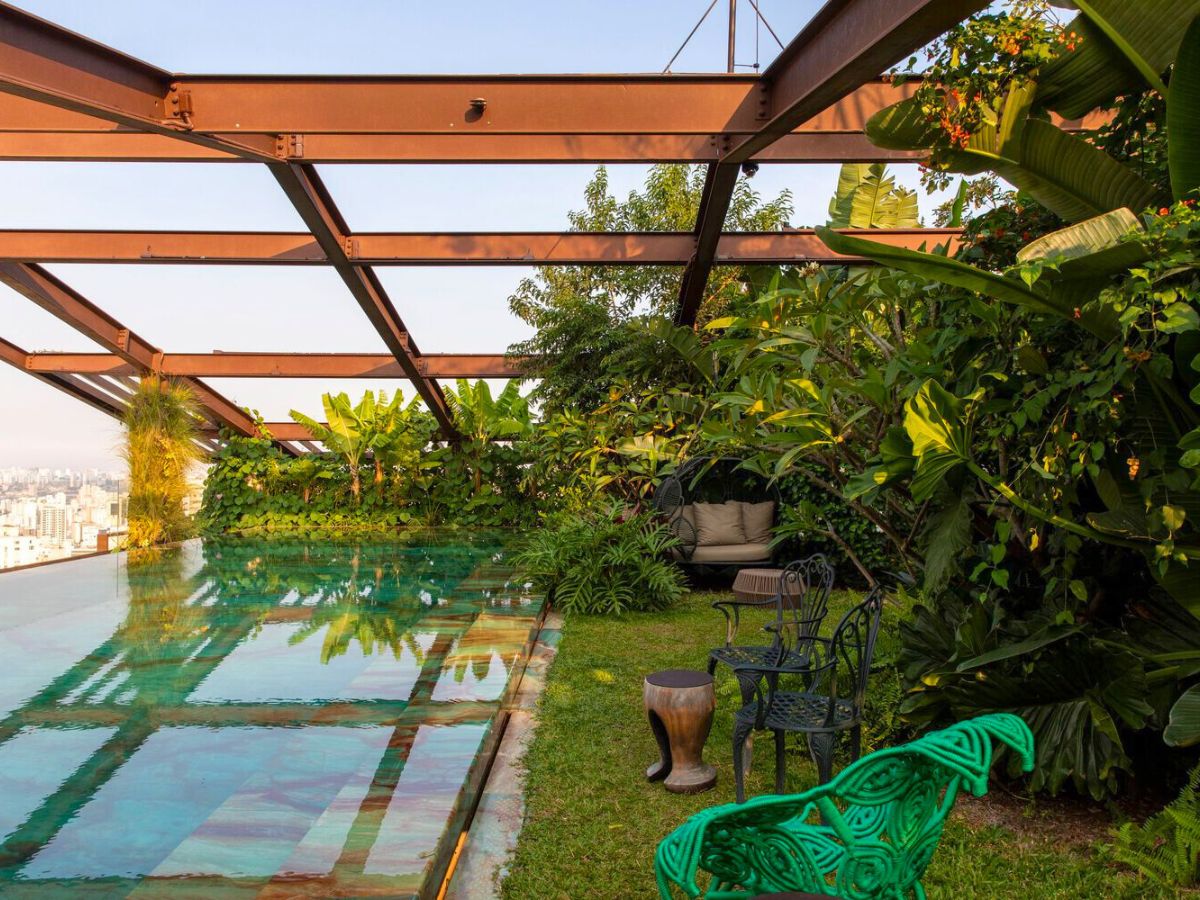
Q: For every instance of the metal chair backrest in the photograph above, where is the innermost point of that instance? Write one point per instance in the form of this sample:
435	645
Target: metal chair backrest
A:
853	646
803	597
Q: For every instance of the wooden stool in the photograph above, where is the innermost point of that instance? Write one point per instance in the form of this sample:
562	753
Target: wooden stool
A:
680	705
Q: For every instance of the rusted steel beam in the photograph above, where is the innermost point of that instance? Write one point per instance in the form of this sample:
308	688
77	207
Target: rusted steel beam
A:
65	382
43	62
35	130
421	249
719	182
847	43
312	201
283	365
64	303
233	107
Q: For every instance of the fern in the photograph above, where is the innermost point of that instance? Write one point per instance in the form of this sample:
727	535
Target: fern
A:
1166	848
603	564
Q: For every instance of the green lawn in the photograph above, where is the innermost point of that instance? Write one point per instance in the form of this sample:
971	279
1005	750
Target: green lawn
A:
593	821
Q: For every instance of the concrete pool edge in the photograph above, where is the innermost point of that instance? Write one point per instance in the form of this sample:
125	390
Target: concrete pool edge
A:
490	837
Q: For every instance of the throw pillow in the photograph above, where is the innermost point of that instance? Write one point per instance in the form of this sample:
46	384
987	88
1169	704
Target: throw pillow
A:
757	519
718	524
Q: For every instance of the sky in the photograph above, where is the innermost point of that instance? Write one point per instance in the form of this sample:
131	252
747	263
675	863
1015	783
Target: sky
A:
201	309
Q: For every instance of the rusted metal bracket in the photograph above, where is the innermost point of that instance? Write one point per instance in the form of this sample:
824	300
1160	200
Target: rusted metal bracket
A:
178	105
289	146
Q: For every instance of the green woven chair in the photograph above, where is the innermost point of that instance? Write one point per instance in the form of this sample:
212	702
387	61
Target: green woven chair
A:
868	834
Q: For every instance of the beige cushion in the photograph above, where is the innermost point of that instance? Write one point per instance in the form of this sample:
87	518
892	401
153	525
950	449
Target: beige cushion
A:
757	519
718	523
732	553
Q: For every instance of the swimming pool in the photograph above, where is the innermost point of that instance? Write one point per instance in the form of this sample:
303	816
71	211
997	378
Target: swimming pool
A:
266	717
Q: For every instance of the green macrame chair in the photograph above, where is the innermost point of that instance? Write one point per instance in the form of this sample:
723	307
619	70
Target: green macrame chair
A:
868	834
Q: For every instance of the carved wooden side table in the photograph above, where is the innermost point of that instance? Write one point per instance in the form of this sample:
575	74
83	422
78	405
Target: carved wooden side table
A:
680	705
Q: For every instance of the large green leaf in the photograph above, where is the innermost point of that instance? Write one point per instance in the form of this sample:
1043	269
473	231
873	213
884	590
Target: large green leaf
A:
1183	115
867	197
1061	171
947	271
936	423
1094	248
901	126
1148	35
841	205
1183	729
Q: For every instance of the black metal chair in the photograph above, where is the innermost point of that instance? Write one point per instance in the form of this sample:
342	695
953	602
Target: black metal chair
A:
800	605
832	686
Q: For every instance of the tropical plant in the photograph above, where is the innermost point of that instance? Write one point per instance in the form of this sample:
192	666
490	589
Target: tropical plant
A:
346	431
588	319
161	429
867	197
602	563
1166	847
1079	466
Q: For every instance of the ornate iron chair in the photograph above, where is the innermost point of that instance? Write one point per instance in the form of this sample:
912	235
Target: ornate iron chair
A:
800	605
868	834
831	677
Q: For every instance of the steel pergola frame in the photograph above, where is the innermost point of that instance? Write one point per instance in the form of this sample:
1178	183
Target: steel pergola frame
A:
66	97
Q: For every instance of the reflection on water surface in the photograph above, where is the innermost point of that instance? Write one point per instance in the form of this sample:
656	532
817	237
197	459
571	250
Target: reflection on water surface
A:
252	716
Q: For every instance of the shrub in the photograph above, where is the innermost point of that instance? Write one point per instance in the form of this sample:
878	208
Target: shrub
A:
602	563
160	431
1166	848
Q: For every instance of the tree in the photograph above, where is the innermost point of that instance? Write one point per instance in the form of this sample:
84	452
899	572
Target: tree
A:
590	320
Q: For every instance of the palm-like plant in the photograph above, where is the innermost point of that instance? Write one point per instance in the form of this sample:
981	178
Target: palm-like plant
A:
482	418
345	431
867	197
161	427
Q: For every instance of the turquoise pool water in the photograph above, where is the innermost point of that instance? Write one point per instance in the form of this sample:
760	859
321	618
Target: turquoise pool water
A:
253	717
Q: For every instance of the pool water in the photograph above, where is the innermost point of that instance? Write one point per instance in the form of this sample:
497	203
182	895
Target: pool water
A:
253	717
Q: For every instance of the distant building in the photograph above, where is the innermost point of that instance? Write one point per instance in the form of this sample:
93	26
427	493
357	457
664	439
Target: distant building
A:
53	523
18	550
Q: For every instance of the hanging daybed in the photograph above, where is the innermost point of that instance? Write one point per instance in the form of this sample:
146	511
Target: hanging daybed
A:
721	514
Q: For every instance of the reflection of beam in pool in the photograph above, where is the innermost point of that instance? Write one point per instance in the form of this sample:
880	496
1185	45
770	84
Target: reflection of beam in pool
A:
370	814
62	805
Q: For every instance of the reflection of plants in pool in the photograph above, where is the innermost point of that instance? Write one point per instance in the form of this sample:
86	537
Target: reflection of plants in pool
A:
376	628
158	612
323	571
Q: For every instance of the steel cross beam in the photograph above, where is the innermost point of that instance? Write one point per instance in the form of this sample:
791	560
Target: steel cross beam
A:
69	383
41	61
438	248
280	365
312	201
847	43
61	301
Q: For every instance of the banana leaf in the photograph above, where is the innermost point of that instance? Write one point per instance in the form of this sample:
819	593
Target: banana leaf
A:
1094	248
1183	115
1061	171
1183	728
1120	42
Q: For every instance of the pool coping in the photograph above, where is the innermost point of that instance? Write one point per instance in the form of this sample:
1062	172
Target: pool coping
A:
488	839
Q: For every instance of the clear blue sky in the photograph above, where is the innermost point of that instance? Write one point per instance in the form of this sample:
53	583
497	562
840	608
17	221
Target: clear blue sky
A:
240	308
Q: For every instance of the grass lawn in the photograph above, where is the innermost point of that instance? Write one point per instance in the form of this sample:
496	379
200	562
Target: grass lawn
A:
593	821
